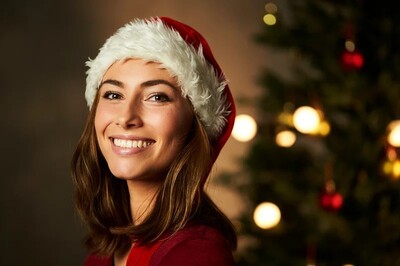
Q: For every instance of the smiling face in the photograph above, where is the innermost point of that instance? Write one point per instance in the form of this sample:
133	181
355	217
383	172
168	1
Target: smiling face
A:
142	120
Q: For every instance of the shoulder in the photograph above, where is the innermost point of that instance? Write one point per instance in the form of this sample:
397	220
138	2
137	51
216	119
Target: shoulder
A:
194	245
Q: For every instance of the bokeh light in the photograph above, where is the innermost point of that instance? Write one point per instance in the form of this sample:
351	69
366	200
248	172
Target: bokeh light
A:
267	215
269	19
306	120
350	45
245	128
285	138
271	8
324	128
396	169
391	168
393	137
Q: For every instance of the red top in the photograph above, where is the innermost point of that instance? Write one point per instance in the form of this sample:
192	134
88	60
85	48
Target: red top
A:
196	245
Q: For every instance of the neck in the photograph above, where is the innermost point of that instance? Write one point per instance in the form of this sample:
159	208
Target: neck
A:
142	195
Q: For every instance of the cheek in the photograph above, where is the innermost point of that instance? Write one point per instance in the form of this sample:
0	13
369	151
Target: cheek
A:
178	124
100	120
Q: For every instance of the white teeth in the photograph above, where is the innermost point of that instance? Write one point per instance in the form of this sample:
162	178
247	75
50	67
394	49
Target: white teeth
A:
123	143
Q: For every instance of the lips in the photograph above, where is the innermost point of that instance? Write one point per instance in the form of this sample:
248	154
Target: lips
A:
132	143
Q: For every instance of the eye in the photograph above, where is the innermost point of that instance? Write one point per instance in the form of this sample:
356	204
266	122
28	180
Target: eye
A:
112	95
159	97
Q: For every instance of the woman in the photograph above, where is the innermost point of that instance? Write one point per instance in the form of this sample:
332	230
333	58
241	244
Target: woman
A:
160	112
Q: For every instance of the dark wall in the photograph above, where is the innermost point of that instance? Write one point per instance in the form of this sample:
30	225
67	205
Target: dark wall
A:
43	47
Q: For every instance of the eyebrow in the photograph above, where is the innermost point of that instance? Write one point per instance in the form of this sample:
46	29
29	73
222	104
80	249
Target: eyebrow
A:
148	83
112	82
155	82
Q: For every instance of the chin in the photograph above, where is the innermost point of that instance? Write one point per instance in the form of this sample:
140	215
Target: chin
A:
123	177
122	173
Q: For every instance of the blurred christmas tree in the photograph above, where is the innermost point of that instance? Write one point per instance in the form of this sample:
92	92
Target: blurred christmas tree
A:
337	186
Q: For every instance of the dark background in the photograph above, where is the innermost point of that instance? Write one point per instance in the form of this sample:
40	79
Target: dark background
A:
43	45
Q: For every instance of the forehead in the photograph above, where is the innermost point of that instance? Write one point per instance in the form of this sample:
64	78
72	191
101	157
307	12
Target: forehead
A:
138	66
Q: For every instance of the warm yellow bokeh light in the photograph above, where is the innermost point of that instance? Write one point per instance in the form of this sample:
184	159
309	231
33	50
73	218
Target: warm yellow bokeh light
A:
324	128
245	128
267	215
393	137
387	167
396	169
285	138
391	168
285	118
306	120
269	19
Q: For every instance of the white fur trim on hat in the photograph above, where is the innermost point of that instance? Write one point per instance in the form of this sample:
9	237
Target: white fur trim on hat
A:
152	40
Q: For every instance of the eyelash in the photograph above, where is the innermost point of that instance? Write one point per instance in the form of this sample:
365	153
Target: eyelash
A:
112	95
164	98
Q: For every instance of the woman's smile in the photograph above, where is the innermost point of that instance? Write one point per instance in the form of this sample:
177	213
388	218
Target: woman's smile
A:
130	146
128	143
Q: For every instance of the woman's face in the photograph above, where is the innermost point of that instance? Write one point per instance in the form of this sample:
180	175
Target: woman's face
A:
141	120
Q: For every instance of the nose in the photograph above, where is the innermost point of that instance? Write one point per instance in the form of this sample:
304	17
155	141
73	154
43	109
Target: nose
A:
129	116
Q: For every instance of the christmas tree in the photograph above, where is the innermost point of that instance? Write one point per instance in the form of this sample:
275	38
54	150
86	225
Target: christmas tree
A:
327	148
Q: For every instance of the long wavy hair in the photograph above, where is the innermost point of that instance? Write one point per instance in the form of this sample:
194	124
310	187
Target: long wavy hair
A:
102	200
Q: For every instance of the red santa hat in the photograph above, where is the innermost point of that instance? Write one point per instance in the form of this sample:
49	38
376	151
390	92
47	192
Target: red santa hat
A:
185	54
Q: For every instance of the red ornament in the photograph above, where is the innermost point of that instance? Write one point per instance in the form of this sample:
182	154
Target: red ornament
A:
330	199
352	60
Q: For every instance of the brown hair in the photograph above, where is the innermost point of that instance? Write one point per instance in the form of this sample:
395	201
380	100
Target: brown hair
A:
102	200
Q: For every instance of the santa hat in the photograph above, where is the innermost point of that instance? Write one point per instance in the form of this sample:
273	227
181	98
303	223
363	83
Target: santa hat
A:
185	54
